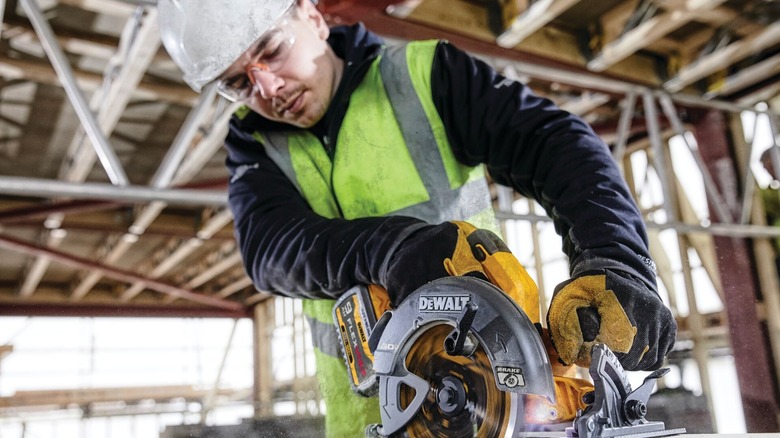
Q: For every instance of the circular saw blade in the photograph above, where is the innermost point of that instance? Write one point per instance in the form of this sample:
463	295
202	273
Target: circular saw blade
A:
463	400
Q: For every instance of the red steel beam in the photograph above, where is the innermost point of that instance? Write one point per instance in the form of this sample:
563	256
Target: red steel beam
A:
117	274
165	231
124	310
749	338
42	210
372	14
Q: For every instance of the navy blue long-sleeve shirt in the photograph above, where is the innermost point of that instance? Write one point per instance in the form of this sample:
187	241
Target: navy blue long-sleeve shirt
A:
525	141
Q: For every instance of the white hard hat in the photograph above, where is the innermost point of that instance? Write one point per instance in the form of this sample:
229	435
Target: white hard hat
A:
204	37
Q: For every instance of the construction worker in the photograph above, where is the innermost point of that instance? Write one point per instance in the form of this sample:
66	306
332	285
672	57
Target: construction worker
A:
350	157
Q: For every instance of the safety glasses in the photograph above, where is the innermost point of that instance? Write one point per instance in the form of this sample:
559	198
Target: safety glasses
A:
268	54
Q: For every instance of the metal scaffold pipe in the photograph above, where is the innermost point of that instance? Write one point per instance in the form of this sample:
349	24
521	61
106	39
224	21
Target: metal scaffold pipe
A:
60	189
60	63
716	229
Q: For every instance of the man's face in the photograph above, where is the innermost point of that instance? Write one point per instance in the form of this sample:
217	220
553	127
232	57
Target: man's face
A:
289	75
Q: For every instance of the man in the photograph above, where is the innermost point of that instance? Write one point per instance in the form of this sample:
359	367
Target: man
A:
350	157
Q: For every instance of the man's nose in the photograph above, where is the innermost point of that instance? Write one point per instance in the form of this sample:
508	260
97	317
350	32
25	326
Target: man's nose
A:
266	83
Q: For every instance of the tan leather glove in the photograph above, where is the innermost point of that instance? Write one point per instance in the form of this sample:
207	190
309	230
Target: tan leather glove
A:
614	308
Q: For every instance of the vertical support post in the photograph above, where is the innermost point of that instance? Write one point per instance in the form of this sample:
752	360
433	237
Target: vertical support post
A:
660	161
264	321
749	186
538	265
766	269
208	403
748	335
624	127
696	325
296	322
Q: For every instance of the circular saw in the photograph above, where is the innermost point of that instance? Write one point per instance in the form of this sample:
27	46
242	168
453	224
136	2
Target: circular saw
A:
454	360
464	356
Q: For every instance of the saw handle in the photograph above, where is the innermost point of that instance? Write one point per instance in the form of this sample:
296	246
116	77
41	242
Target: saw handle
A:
502	269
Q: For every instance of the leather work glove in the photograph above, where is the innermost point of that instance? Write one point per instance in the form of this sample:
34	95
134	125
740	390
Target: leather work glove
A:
614	308
432	252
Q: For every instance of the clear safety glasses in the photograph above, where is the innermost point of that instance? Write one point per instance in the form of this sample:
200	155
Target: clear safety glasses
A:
269	53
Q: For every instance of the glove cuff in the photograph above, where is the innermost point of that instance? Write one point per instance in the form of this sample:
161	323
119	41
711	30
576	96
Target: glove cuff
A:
601	265
391	251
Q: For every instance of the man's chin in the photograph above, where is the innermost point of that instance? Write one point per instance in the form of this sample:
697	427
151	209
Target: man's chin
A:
302	120
300	123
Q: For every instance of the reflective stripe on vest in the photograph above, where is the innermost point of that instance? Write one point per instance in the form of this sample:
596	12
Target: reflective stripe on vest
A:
324	334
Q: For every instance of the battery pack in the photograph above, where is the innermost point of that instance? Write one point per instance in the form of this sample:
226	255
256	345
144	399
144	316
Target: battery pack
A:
355	318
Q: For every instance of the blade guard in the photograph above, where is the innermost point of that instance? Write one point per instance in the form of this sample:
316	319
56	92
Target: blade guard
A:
511	341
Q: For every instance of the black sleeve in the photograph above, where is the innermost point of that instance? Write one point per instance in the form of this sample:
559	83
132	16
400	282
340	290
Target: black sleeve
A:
545	153
287	248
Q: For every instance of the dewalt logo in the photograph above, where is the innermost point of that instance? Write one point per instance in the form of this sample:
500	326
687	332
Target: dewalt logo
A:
443	303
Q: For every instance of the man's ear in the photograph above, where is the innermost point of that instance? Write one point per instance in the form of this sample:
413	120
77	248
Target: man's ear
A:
310	13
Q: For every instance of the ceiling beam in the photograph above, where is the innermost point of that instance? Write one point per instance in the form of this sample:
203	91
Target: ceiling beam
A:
724	57
216	268
81	46
764	94
586	103
538	15
646	33
231	288
746	77
107	7
215	263
42	73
